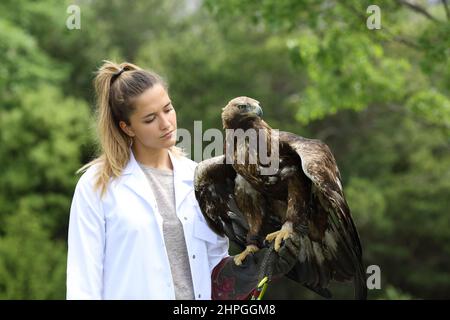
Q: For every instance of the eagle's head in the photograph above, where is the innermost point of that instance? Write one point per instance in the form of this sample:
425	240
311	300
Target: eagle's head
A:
242	112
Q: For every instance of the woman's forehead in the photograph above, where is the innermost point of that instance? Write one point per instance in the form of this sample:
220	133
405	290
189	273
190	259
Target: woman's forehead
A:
152	99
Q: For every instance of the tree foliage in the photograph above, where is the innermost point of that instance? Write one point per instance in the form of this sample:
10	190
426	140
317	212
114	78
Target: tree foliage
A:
379	98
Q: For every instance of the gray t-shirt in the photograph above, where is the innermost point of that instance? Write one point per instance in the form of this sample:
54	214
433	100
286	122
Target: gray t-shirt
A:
161	182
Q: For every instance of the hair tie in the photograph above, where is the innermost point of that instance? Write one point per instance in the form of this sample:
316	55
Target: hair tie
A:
117	74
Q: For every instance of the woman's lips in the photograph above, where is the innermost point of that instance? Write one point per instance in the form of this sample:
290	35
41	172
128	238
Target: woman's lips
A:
168	135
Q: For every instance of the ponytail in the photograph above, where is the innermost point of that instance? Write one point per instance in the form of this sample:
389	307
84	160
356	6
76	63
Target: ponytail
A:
115	86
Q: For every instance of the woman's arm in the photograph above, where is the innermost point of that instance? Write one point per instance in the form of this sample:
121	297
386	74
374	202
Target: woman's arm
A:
86	243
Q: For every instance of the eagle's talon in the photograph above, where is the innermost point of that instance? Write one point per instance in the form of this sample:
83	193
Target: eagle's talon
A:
279	236
239	258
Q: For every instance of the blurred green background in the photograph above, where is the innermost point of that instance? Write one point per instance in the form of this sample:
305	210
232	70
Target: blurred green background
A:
379	98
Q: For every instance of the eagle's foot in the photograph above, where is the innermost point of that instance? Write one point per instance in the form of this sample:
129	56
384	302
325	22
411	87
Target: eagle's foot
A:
248	250
283	234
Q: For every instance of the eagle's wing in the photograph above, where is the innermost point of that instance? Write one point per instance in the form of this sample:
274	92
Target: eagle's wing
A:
332	249
214	183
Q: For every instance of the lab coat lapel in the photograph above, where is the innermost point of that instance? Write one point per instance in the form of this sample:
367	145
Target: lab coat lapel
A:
183	180
135	180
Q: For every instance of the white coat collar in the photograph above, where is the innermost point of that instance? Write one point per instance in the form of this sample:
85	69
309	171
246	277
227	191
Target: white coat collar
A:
183	176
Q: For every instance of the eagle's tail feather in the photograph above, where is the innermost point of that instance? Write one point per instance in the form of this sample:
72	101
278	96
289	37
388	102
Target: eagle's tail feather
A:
360	285
323	292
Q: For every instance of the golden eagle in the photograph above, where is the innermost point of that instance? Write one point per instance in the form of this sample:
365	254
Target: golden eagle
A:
303	196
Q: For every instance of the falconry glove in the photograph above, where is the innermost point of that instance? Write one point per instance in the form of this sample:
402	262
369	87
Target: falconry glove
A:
233	282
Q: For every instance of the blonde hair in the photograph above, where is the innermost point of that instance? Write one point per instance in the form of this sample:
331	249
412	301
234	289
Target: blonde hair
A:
116	87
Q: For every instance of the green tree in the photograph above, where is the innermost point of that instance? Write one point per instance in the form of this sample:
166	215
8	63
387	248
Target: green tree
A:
380	99
42	138
31	266
351	67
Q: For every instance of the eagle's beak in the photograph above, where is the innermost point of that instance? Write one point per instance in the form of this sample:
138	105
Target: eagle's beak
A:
258	111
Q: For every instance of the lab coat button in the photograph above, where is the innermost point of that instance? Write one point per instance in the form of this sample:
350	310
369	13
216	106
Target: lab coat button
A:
199	295
193	257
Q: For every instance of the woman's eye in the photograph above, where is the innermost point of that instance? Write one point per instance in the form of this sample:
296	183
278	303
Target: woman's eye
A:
149	120
168	109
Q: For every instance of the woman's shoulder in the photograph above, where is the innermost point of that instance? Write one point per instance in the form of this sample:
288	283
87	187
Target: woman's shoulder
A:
181	157
90	172
189	163
89	177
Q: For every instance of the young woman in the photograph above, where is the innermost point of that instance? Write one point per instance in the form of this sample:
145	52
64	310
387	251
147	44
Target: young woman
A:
136	230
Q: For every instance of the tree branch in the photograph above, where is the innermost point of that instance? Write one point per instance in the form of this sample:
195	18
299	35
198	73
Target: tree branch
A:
447	10
418	9
394	37
402	40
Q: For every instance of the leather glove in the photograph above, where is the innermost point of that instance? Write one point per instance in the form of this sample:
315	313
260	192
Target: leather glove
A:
232	282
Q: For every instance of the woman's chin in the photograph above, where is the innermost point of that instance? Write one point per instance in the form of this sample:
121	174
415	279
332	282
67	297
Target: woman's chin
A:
169	143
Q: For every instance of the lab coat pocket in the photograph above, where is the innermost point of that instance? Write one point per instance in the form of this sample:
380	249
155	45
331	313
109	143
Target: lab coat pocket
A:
202	231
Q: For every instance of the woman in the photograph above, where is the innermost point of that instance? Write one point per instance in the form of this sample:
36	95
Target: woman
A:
136	230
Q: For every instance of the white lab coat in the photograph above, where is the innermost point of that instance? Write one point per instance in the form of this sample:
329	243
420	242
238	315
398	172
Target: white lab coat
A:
116	246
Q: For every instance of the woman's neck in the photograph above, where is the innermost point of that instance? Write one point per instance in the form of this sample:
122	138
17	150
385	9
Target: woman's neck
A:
154	158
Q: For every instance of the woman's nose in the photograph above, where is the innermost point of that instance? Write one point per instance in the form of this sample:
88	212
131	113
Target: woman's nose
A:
165	122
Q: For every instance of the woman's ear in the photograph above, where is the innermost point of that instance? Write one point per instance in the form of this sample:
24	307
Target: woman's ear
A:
125	128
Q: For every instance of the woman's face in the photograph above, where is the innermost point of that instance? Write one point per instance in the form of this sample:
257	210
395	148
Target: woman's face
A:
153	124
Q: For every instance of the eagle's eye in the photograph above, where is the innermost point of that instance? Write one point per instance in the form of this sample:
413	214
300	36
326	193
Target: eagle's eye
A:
243	106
